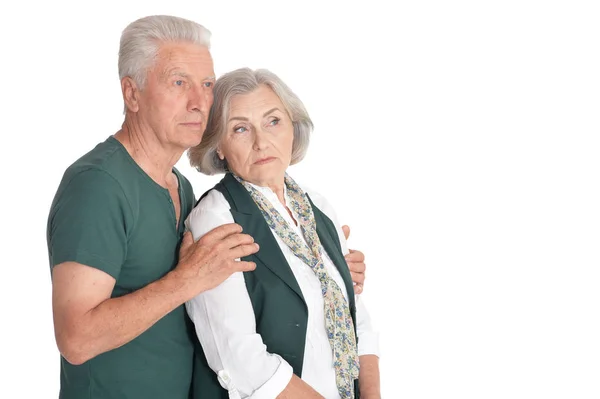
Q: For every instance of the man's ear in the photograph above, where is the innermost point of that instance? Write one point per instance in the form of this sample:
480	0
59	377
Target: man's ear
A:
131	94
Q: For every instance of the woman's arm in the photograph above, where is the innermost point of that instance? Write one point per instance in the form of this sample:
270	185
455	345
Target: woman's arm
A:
369	377
225	324
368	338
368	353
298	389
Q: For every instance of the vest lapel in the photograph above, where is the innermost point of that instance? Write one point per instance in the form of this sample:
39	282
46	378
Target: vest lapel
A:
248	214
330	241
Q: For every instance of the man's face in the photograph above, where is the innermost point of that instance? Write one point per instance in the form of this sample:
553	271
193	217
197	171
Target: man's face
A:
178	94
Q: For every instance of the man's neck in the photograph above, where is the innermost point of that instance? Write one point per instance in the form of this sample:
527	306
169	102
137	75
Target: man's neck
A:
149	153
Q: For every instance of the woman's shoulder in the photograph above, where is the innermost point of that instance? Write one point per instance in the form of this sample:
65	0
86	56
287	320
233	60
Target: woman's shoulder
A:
210	212
212	201
319	200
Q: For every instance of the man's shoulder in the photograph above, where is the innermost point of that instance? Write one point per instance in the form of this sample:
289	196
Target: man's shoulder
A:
99	171
108	156
107	164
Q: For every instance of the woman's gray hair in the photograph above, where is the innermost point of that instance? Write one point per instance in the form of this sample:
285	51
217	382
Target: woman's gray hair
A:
204	156
141	39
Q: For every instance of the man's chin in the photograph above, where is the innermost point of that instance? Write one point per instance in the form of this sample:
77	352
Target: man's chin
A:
193	141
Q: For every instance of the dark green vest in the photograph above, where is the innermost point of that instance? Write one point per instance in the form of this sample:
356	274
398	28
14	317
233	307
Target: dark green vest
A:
279	307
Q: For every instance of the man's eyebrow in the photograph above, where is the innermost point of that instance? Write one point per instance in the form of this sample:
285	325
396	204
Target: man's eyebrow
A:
176	72
179	72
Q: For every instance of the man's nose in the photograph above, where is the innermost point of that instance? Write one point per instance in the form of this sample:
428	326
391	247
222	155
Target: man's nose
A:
200	99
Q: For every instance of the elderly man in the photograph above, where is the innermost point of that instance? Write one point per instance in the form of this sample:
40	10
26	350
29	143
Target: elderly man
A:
122	267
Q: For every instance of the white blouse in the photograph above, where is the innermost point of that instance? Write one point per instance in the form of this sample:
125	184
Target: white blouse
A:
225	322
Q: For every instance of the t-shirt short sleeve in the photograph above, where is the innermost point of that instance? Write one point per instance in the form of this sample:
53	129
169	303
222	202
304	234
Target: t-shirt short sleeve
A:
89	223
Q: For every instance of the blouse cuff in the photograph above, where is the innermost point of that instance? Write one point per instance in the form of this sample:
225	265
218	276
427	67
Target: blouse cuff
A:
368	344
276	384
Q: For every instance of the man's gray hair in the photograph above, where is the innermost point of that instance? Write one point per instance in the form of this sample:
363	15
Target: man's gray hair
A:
204	156
141	39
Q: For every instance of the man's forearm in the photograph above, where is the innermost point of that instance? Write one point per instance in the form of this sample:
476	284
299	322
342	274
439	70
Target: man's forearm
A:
116	321
369	377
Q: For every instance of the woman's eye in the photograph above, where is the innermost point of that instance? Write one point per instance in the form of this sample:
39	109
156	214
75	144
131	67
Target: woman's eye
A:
274	122
240	129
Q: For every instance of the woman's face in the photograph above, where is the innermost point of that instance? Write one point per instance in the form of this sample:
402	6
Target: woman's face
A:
258	143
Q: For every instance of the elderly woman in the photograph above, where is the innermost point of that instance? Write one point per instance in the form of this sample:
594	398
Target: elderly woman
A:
293	327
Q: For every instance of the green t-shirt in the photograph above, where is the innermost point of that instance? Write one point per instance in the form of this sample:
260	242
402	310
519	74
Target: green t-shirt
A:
110	215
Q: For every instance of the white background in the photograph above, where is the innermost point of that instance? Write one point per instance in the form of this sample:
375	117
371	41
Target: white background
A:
459	140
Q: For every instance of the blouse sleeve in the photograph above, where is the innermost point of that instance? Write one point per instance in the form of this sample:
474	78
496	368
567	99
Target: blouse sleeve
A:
225	323
368	338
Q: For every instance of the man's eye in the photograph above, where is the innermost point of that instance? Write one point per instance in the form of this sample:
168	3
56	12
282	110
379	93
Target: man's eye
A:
179	82
208	84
